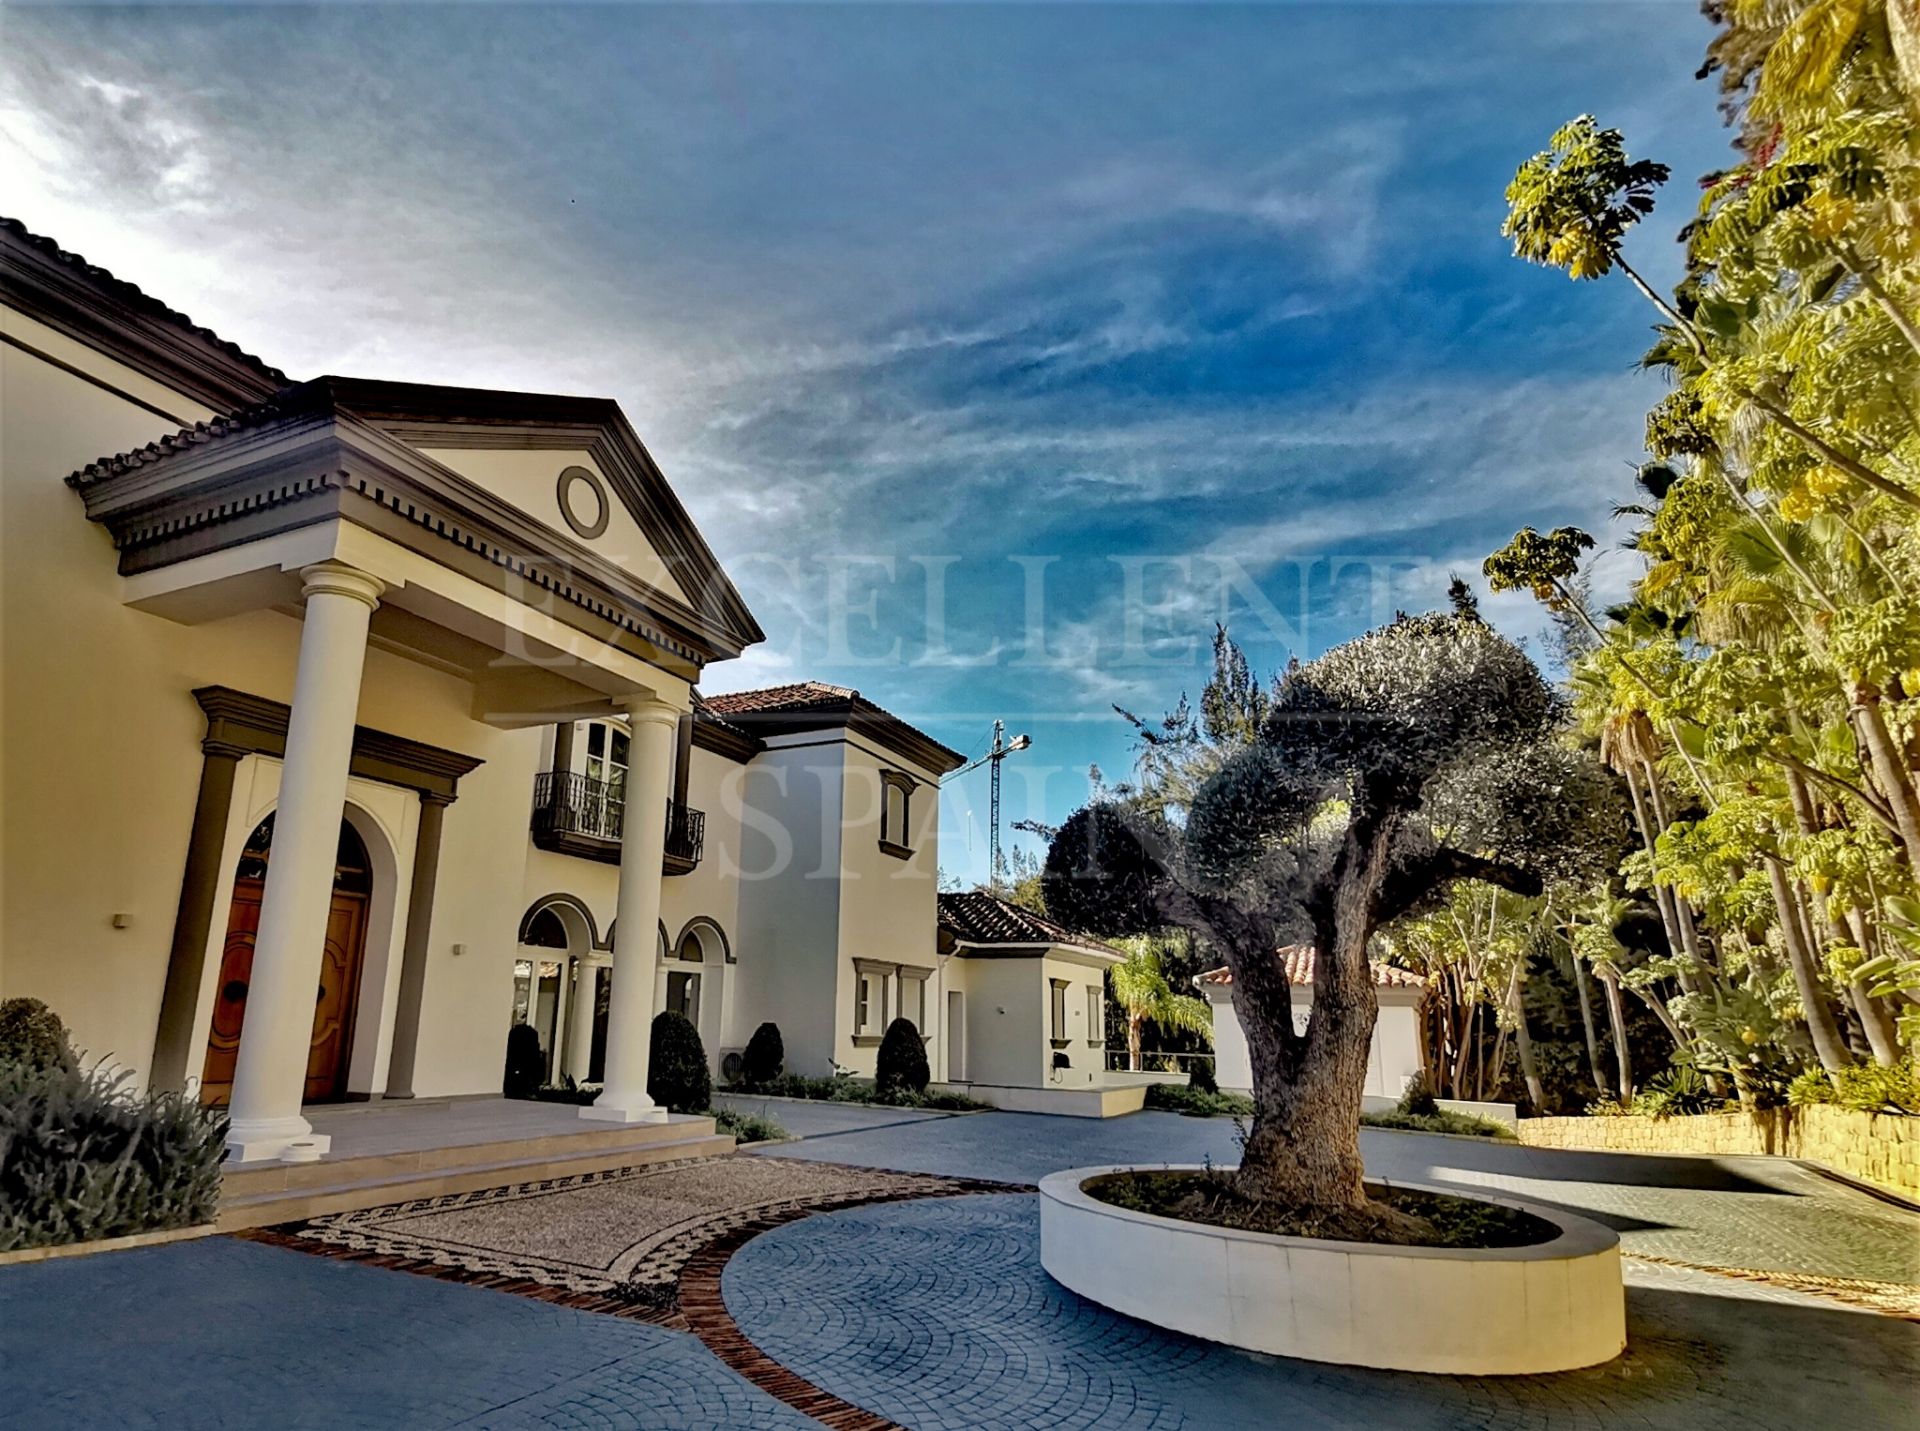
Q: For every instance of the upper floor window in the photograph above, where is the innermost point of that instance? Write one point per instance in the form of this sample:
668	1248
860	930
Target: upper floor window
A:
605	754
896	809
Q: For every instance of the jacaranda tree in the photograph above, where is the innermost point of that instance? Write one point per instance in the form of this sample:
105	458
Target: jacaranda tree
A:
1423	753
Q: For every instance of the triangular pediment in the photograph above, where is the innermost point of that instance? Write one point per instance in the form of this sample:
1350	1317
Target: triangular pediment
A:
525	492
575	465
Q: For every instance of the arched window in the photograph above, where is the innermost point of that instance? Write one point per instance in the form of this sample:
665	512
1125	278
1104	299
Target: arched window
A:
545	931
691	951
896	812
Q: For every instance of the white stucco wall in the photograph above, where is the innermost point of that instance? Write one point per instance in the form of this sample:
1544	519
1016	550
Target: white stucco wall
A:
889	908
95	820
1393	1058
96	814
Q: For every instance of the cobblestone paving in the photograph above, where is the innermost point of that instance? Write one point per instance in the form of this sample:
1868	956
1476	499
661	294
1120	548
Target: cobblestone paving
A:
938	1315
225	1333
1750	1213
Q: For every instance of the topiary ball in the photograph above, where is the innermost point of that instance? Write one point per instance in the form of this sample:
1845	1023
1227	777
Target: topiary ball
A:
31	1034
765	1056
1200	1076
901	1066
1417	1100
526	1063
677	1075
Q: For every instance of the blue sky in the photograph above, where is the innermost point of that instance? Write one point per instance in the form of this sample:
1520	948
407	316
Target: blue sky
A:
1108	322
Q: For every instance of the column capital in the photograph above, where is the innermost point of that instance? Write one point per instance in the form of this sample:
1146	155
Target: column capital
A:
649	708
333	578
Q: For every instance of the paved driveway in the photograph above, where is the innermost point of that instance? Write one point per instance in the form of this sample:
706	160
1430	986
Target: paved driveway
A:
936	1313
1747	1213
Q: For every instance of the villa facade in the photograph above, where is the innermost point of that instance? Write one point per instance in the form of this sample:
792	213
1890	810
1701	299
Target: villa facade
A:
350	722
1393	1058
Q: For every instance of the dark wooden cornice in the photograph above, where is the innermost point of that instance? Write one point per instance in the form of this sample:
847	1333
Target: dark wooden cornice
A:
302	458
243	724
723	738
91	306
858	717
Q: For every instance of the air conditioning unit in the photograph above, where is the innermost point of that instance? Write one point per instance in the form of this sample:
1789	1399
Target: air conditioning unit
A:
732	1064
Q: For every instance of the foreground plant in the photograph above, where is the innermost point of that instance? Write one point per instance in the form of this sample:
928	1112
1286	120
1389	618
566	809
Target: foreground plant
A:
1423	753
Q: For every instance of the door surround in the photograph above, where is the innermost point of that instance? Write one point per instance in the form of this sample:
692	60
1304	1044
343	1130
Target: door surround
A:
244	732
340	977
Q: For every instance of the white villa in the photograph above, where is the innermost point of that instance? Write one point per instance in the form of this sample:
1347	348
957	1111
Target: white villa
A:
1026	1000
350	722
1393	1059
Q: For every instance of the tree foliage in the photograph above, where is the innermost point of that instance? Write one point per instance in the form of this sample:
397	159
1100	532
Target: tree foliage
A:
1756	692
1422	753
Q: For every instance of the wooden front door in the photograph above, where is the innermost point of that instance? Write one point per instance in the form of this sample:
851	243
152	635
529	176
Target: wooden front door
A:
334	1003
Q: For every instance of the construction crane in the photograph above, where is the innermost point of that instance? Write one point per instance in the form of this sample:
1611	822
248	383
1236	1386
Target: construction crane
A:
999	751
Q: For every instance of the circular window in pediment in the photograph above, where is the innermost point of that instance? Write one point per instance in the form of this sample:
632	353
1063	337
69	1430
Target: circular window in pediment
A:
583	502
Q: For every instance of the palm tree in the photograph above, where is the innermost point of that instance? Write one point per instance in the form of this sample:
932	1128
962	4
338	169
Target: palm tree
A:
1141	989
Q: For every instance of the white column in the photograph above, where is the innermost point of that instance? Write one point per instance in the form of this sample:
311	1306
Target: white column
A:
643	845
270	1073
586	992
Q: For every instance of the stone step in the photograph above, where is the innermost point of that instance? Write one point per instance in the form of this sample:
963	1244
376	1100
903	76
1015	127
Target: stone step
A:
263	1178
260	1208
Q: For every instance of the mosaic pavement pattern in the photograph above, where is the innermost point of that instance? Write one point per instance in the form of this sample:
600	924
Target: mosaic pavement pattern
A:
938	1316
625	1235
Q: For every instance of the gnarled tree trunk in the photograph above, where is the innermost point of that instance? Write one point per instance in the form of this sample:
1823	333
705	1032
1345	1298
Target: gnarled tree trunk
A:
1304	1145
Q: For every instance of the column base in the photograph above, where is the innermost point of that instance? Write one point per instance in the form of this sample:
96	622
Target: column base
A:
268	1140
624	1108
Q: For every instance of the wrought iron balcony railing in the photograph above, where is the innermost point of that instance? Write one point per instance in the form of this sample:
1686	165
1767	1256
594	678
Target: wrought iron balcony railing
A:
577	815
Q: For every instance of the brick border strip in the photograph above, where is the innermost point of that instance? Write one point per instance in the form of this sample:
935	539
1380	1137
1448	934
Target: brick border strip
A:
696	1305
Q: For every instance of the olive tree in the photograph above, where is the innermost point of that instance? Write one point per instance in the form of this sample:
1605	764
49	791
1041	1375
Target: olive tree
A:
1422	753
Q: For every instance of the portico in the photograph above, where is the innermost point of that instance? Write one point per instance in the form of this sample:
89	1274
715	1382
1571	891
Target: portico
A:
324	503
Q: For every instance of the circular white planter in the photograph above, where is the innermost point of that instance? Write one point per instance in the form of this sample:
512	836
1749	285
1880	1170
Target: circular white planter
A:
1501	1311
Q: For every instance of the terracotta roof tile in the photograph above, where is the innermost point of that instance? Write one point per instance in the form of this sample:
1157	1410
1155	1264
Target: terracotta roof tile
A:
137	299
977	917
1300	961
812	704
800	695
293	399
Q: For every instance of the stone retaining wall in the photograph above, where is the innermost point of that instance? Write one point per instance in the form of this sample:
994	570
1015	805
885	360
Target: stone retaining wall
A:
1878	1148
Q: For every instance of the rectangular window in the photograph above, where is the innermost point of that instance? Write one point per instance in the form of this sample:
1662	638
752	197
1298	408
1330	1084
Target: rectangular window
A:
913	1001
870	1012
896	804
1096	1017
1059	1012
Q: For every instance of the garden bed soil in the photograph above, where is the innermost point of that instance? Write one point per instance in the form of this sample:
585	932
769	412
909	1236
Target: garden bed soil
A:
1399	1217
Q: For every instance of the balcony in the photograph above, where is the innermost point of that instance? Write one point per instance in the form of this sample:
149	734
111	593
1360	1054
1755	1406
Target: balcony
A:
575	815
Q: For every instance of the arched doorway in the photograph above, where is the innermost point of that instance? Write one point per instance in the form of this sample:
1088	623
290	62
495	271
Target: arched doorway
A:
340	965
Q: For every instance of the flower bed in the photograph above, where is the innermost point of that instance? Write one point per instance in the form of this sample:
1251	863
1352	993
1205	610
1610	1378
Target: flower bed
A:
1550	1305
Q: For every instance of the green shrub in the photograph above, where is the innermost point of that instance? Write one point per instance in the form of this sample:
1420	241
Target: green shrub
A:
765	1056
525	1063
901	1065
1417	1100
1184	1098
677	1075
1681	1090
841	1089
1441	1120
82	1157
32	1034
747	1127
567	1092
1865	1087
1200	1076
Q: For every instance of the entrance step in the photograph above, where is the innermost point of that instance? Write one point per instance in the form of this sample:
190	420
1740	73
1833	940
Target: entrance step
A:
287	1192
